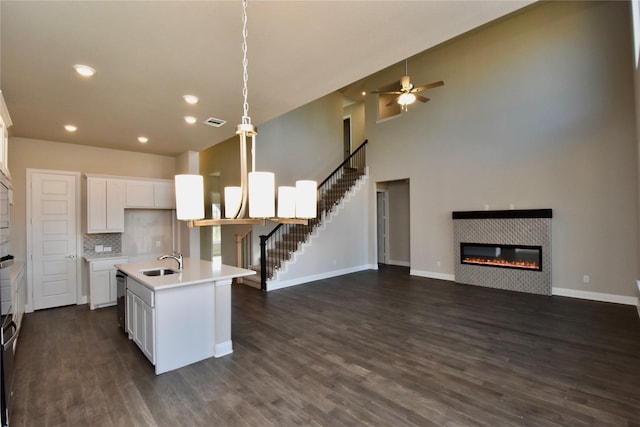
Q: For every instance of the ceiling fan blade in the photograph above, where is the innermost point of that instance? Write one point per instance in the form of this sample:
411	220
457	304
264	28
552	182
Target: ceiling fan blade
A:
429	86
386	92
421	98
393	101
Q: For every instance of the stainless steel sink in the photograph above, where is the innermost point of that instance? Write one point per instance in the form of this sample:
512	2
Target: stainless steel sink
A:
158	272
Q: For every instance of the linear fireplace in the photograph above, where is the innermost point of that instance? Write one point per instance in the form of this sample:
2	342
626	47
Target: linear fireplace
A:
508	249
521	257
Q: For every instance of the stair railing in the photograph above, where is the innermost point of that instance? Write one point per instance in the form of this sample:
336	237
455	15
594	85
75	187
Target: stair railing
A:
277	246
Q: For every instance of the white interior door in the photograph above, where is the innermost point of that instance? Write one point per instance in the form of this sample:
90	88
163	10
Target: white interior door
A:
54	238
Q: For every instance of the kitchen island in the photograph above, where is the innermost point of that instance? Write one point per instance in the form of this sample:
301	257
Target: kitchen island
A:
182	317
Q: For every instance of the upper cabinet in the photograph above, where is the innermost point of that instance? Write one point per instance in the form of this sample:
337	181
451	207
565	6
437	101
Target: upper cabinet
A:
139	194
150	194
105	205
5	123
109	196
164	194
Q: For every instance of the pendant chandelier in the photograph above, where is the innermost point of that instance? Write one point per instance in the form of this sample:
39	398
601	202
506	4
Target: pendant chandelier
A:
256	194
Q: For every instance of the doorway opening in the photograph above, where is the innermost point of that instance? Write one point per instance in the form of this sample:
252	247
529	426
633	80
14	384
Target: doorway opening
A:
393	223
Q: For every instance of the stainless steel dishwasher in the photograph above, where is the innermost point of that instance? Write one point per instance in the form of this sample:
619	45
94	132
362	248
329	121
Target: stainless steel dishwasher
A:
121	292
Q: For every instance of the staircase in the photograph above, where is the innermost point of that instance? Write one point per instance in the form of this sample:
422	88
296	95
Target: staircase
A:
278	247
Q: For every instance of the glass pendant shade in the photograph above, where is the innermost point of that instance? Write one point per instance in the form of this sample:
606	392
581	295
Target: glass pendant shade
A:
406	99
262	195
286	202
232	199
306	199
189	197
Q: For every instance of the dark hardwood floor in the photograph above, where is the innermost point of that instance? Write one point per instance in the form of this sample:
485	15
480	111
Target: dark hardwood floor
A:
371	348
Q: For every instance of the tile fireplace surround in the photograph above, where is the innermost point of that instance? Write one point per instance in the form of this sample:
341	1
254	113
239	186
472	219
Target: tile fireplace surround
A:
530	227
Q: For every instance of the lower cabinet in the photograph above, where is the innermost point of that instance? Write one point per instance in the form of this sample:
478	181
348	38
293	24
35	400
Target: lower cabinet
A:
141	318
20	295
102	282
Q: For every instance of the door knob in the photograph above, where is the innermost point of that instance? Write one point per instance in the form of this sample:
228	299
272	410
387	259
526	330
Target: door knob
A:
70	256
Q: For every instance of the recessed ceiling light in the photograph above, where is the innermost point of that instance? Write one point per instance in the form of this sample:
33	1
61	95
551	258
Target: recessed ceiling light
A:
364	93
71	128
84	70
143	139
190	119
191	99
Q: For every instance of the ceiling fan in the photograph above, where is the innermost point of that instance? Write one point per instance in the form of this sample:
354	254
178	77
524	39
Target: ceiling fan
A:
408	93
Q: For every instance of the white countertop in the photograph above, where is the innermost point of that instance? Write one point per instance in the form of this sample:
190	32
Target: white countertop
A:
194	271
104	256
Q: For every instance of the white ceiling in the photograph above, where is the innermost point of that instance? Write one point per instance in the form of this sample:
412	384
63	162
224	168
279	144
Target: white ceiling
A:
150	53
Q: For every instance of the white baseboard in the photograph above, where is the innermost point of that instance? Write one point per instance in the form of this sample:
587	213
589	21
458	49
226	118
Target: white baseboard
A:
399	263
595	296
433	275
222	349
272	286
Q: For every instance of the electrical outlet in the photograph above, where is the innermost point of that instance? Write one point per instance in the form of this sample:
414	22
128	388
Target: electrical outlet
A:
99	249
107	249
158	243
586	279
438	263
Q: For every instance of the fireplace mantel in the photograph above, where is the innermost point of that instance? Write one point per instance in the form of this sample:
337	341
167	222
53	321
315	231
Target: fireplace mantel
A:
505	214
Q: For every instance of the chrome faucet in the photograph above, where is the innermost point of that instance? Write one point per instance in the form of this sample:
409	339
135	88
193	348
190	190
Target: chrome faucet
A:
177	256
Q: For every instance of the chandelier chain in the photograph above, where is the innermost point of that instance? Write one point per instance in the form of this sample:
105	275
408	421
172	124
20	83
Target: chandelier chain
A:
245	62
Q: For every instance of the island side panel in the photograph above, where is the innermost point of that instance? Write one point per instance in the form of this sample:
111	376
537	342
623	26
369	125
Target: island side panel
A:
185	326
223	345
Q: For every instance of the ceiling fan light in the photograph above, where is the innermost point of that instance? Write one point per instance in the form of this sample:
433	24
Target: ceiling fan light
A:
406	98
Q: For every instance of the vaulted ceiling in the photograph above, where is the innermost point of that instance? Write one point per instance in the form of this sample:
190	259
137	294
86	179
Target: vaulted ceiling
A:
148	54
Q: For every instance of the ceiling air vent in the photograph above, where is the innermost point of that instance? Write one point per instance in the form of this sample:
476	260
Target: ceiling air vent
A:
212	121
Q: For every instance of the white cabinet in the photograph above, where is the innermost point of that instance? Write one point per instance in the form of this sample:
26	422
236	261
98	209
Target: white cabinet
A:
150	194
19	288
164	195
130	318
102	282
5	123
141	316
139	194
105	205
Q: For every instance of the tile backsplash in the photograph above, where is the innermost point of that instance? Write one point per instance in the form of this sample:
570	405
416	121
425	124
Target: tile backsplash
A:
147	234
112	240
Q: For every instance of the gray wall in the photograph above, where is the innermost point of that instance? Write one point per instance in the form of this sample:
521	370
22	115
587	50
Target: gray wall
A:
537	111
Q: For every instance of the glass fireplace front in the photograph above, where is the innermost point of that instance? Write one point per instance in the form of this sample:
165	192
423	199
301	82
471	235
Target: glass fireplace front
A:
502	256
